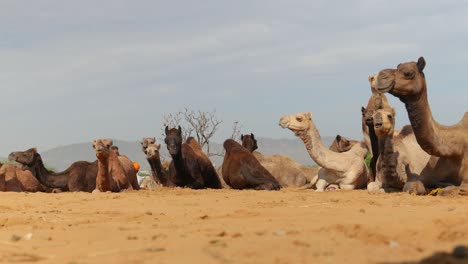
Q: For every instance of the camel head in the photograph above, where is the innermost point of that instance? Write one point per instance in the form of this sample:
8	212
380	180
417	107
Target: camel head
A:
147	141
27	157
115	149
297	123
407	80
249	142
152	151
102	147
384	122
173	140
341	144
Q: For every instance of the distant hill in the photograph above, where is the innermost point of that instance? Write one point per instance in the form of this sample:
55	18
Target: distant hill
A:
60	158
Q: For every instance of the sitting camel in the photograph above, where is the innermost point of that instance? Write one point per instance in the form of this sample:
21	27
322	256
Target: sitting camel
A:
15	179
400	160
128	166
187	168
153	157
448	145
342	144
285	170
241	170
346	169
111	175
80	176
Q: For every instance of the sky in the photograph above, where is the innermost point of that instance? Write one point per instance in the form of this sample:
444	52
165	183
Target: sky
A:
73	71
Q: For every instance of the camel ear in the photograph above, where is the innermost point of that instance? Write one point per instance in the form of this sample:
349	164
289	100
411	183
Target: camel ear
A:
393	112
158	146
154	139
252	135
167	130
180	130
363	110
338	138
370	78
421	64
242	137
309	115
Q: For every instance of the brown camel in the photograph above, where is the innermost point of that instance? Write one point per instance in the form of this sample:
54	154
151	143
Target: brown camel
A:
15	179
346	169
187	168
153	157
80	176
448	145
401	159
285	170
241	170
207	165
111	175
342	144
128	167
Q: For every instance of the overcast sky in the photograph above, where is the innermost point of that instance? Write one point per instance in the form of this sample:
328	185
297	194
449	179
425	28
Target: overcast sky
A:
72	71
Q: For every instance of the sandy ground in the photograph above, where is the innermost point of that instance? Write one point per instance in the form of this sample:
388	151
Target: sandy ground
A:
228	226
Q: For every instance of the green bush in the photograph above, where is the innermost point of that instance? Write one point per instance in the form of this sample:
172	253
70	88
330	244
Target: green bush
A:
367	160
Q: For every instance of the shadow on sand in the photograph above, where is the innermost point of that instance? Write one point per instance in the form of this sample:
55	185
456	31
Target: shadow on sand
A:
458	256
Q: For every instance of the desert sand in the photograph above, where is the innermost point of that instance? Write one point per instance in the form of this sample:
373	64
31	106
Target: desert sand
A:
228	226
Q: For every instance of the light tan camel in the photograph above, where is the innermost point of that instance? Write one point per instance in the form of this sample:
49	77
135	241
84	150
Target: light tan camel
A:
447	144
346	169
400	159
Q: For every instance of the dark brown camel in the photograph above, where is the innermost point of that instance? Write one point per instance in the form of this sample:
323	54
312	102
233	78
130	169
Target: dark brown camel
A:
111	175
448	145
241	170
153	157
187	169
80	176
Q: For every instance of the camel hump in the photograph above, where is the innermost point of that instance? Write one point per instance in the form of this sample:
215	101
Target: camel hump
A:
405	131
465	119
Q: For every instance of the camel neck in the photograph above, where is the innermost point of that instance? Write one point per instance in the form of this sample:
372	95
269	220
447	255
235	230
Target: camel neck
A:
46	177
156	169
103	182
389	162
429	134
314	145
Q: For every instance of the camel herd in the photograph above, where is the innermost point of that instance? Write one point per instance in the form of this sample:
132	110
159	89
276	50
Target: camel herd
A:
420	157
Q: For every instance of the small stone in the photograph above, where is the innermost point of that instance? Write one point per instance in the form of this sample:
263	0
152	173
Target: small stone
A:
222	234
460	252
280	232
393	244
362	211
149	213
28	236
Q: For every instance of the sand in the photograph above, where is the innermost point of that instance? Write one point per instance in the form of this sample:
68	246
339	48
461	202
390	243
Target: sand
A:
228	226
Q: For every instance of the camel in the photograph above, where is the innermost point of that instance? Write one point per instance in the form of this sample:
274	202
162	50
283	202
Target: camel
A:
203	158
111	175
400	160
187	168
375	102
285	170
151	151
80	176
15	179
127	164
241	170
448	145
342	144
147	141
347	170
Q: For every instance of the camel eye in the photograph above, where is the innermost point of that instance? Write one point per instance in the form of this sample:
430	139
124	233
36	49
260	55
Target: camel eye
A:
409	75
299	119
390	117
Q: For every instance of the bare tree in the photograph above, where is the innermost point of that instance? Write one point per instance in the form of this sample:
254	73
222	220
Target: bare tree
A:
236	130
199	124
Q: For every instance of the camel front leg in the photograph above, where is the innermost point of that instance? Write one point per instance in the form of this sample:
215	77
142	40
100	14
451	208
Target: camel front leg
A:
347	186
321	185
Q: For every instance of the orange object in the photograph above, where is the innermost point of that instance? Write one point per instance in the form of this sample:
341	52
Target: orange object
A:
136	165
